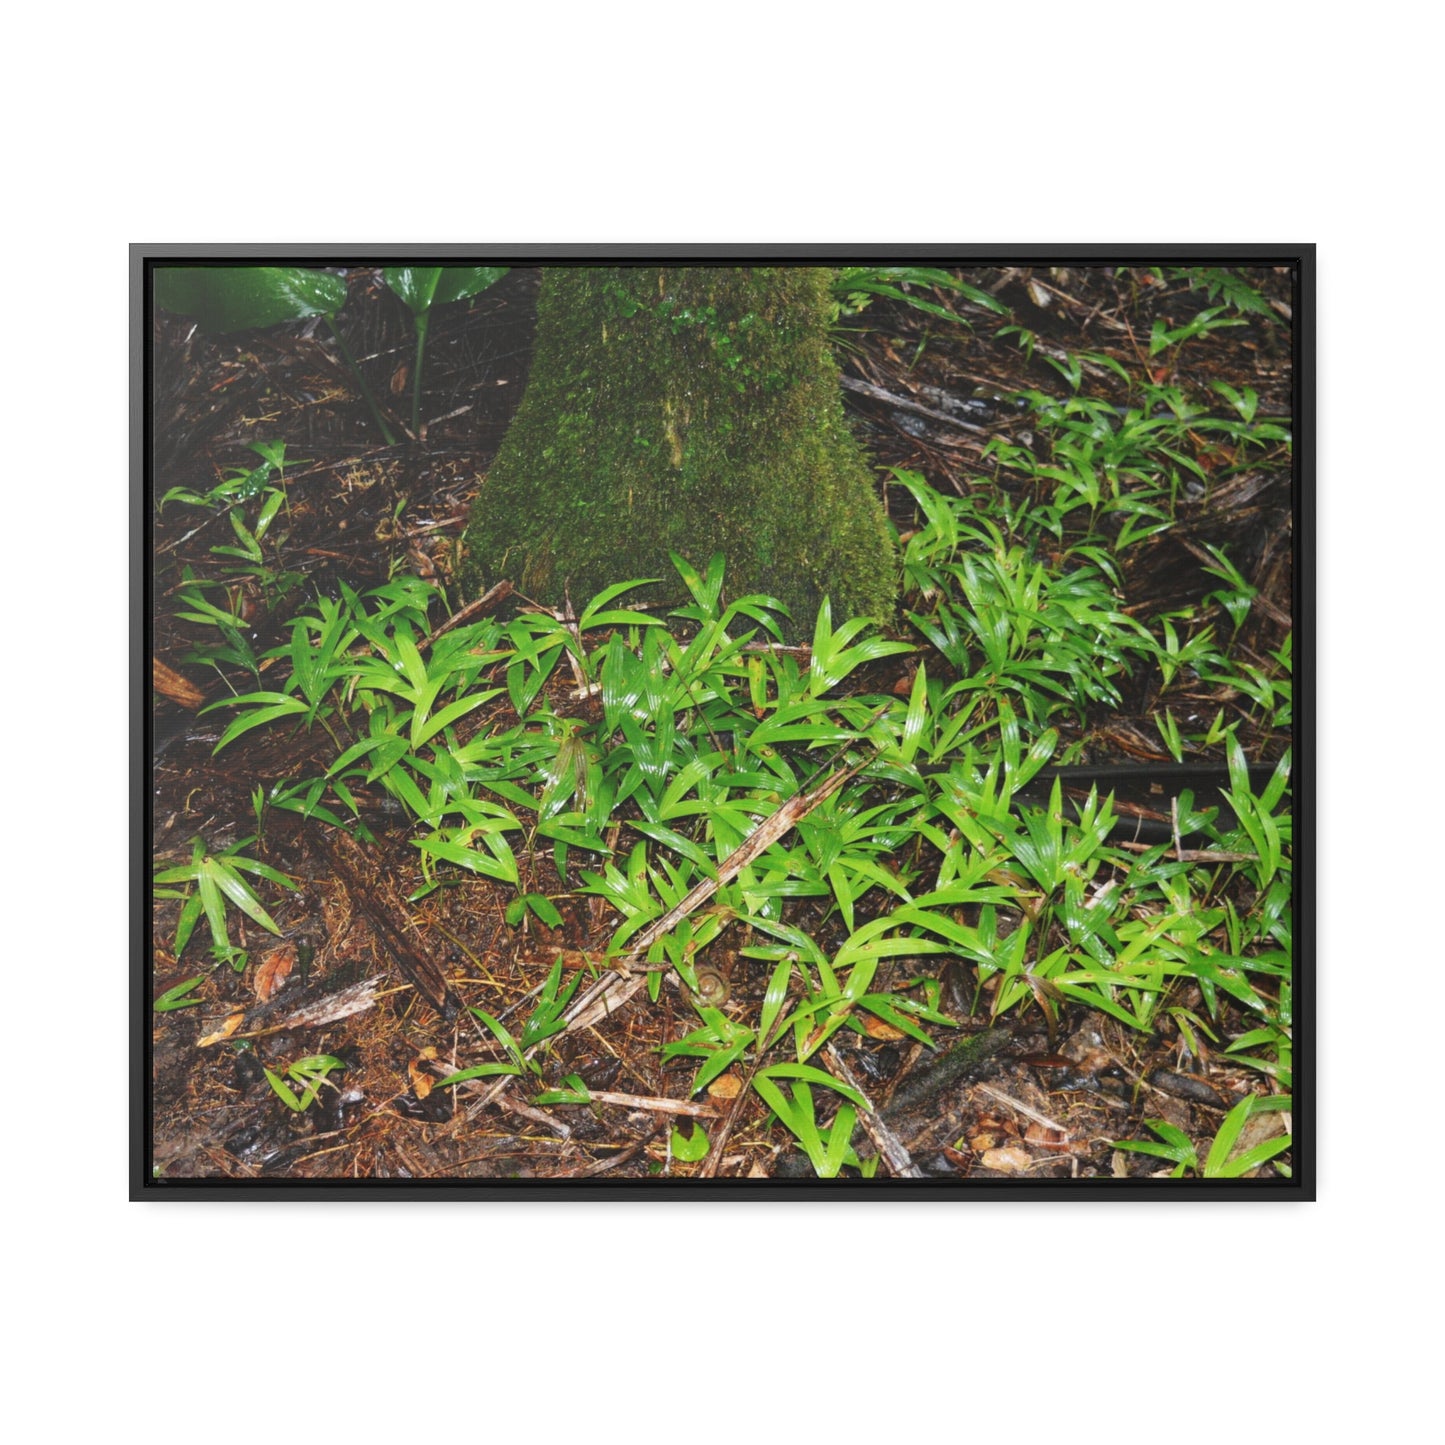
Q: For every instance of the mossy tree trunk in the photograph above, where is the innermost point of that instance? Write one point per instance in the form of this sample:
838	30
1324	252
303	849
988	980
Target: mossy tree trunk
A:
691	409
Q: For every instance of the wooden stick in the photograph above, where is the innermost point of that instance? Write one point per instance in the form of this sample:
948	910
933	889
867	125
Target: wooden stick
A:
625	1156
653	1105
605	996
904	403
302	1013
1022	1108
489	601
885	1141
421	971
526	1111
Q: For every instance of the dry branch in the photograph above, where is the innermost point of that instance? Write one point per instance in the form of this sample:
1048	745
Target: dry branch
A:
610	993
302	1013
421	972
885	1141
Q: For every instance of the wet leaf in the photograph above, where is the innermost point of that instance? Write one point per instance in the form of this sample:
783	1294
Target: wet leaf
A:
422	287
174	998
875	1028
690	1147
236	298
285	1094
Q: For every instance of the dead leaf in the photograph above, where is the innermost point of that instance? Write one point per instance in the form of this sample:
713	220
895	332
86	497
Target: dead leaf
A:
875	1028
1045	1137
420	1077
224	1032
273	970
990	1132
1041	296
1012	1160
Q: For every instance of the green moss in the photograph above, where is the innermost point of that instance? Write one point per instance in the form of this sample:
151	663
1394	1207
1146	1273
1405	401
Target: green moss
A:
695	409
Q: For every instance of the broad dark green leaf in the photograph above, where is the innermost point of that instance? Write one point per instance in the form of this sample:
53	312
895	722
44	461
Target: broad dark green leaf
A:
422	287
459	282
236	298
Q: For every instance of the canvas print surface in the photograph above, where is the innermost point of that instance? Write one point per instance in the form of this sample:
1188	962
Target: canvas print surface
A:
702	724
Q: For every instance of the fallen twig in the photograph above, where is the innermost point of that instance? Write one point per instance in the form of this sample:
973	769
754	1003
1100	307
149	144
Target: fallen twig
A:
904	403
1192	855
1022	1108
885	1141
609	994
653	1105
283	1013
489	601
420	970
623	1156
537	1116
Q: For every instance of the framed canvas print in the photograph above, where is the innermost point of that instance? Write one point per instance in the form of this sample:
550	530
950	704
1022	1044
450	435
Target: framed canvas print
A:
678	722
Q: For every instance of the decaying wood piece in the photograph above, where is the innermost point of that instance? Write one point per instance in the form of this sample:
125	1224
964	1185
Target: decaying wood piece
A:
885	1141
301	1013
421	972
653	1105
945	1070
169	683
906	403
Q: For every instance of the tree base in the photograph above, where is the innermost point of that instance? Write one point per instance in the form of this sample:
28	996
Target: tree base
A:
694	410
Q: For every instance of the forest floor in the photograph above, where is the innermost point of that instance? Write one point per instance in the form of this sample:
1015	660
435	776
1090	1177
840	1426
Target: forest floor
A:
1047	1096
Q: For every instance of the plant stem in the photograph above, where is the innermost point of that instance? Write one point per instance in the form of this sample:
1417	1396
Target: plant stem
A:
421	319
361	380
